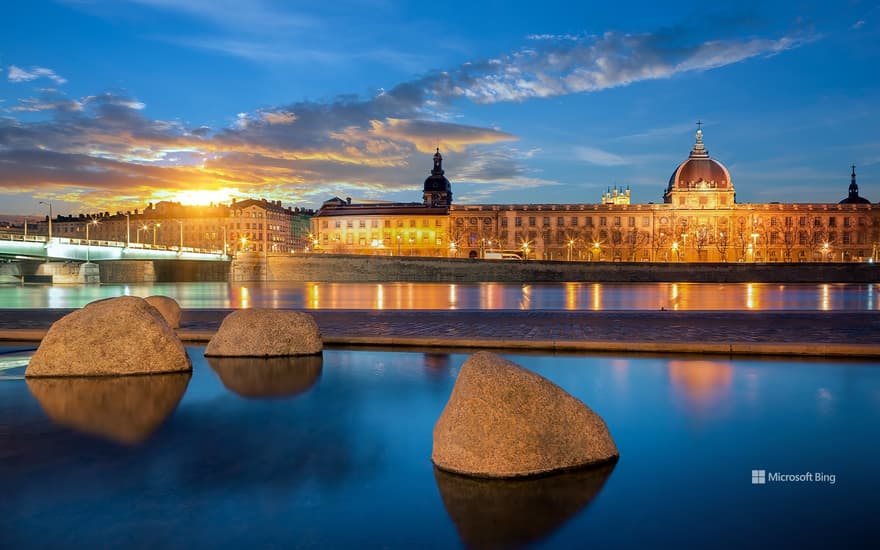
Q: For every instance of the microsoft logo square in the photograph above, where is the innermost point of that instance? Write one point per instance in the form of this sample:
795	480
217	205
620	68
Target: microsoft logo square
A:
759	477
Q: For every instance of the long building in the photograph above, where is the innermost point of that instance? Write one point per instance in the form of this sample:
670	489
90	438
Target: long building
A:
698	221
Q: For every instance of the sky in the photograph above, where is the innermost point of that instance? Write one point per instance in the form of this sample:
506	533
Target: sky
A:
107	105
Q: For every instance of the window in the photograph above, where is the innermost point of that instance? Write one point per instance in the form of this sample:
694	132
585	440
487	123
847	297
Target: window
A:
817	222
503	222
546	221
772	222
847	222
425	222
846	238
324	224
602	221
438	222
632	221
531	221
388	223
589	221
487	221
788	221
473	221
517	222
574	221
349	224
560	221
459	221
646	221
412	223
832	222
374	223
362	224
802	221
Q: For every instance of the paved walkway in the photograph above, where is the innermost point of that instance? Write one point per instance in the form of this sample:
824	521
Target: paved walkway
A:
827	334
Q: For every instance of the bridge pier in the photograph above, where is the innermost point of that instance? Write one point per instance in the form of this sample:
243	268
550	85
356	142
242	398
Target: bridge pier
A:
70	272
10	272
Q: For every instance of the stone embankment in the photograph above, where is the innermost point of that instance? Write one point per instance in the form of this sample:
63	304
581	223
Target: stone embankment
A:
352	268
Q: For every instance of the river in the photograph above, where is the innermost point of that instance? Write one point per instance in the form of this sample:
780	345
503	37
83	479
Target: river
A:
468	296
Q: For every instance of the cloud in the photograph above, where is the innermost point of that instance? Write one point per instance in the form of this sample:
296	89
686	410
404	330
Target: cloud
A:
599	157
18	75
594	63
858	24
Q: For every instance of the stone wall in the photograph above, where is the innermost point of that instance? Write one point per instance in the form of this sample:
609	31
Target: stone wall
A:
163	271
339	268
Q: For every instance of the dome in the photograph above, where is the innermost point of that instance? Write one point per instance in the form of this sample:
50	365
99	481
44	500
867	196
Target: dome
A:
437	181
700	171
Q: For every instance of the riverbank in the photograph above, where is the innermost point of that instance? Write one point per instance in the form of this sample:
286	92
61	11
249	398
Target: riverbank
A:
722	333
357	268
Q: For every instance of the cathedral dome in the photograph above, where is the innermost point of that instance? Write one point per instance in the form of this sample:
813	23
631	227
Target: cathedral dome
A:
700	171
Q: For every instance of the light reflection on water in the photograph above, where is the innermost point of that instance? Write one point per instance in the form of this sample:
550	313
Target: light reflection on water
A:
487	296
340	456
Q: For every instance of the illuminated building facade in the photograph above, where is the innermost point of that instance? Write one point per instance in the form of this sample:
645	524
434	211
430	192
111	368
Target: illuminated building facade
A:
698	221
245	225
389	228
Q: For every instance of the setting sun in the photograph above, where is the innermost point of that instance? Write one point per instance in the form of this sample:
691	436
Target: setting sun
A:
204	197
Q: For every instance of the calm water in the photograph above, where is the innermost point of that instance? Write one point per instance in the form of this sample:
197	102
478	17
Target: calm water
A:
557	296
337	454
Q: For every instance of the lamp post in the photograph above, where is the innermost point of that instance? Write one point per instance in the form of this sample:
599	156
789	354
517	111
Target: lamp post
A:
570	245
398	245
49	204
88	241
244	244
127	230
675	249
754	246
155	227
180	248
825	251
596	250
411	241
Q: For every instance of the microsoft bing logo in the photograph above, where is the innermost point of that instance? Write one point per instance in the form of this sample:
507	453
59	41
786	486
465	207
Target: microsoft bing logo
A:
759	477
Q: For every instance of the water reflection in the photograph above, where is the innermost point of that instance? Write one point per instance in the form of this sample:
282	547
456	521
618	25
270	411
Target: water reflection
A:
499	513
258	377
704	383
125	409
570	296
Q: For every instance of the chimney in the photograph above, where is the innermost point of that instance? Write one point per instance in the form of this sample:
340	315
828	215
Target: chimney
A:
348	200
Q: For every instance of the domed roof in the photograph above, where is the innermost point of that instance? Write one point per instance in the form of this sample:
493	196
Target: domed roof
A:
700	170
437	181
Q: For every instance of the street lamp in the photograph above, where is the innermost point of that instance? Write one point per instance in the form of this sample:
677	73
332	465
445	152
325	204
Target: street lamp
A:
398	245
155	227
244	244
570	245
88	241
127	229
596	248
49	204
825	250
411	241
675	249
144	227
180	248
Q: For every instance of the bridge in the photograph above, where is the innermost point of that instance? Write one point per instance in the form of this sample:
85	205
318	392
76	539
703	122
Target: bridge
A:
19	246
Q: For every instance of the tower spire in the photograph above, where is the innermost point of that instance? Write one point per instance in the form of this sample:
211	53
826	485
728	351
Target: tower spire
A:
438	164
699	150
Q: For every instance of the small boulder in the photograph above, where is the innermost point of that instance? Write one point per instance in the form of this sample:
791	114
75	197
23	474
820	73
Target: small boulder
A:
124	335
266	333
505	421
168	307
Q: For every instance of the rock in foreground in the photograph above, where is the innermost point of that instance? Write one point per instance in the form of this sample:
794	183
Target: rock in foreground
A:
168	307
505	421
124	335
266	333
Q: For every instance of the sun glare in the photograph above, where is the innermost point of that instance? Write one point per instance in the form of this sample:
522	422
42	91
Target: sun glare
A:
204	197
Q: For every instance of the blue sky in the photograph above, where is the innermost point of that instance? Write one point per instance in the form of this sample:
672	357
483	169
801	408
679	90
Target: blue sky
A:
110	104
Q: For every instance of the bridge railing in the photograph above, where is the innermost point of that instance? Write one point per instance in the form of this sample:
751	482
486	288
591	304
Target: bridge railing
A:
6	236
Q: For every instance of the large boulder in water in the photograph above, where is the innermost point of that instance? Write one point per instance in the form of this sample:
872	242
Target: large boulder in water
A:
505	421
266	333
168	307
124	335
